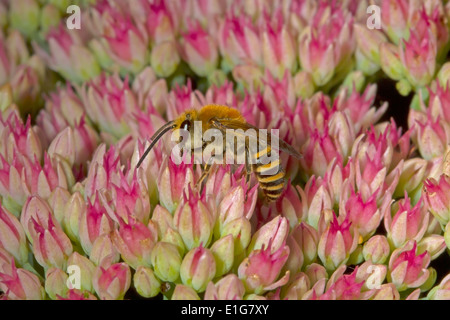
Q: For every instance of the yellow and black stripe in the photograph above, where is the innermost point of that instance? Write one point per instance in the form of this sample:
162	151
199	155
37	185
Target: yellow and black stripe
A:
272	183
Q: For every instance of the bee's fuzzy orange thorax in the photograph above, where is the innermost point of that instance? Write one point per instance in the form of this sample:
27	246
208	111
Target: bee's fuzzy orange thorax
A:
210	111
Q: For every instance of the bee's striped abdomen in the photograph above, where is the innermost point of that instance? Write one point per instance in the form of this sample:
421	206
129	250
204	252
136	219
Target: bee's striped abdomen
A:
270	176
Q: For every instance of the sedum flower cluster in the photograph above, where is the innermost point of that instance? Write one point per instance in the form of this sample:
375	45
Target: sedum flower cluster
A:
364	214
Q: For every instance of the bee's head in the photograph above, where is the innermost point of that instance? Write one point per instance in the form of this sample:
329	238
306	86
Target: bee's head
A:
186	120
186	125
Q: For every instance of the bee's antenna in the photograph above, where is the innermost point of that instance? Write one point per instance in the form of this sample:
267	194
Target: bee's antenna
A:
158	134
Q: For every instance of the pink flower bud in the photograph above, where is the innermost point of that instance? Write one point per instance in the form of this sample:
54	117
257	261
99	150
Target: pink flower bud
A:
342	131
172	236
103	171
124	41
294	262
20	138
87	269
172	181
221	91
324	47
432	137
68	55
112	282
307	239
103	248
55	283
298	287
50	17
5	261
369	41
316	273
334	179
93	223
42	180
346	287
109	102
278	47
62	108
218	184
239	41
160	21
418	56
25	8
407	269
274	233
183	292
318	152
433	244
317	198
12	236
38	209
303	85
413	173
364	214
150	91
199	50
21	284
439	97
390	61
57	201
387	291
182	98
360	108
74	208
51	246
436	195
76	145
166	261
223	252
145	282
26	85
395	18
193	220
239	202
279	91
407	223
131	199
289	205
13	52
135	241
240	229
164	58
441	291
162	219
74	294
198	268
227	288
260	270
376	249
337	243
249	76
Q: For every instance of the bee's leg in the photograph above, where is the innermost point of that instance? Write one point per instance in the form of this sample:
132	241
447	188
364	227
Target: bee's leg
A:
248	169
248	166
205	173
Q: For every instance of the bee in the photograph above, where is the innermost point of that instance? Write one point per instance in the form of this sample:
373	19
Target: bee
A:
271	176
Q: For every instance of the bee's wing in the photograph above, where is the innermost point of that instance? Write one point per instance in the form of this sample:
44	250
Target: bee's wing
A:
223	124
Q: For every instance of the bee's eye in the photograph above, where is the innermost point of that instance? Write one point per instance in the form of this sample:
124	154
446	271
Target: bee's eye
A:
186	125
